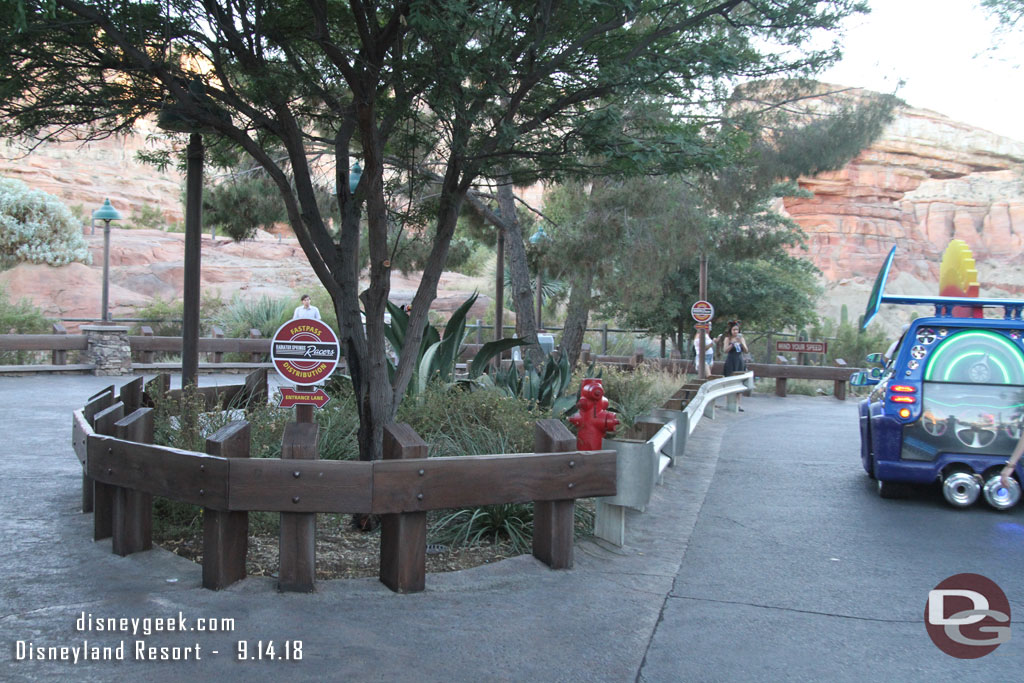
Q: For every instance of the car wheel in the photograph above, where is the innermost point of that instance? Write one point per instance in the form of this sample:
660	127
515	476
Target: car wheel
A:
960	488
890	489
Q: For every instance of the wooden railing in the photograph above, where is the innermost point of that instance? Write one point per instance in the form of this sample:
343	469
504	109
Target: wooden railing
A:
145	345
58	344
122	470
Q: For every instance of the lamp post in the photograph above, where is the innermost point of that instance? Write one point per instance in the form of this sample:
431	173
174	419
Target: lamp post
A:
106	213
354	174
538	239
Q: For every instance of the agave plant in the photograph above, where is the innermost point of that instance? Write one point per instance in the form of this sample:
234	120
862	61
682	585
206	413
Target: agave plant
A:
438	354
545	388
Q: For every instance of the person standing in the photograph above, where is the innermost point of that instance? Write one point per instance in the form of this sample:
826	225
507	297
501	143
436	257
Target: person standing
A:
307	310
735	346
709	349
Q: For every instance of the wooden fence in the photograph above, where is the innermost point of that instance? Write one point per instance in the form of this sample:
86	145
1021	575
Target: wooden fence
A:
112	437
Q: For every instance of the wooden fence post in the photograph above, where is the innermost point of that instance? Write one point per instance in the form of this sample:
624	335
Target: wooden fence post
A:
132	518
98	402
103	494
131	397
156	388
403	537
226	534
59	357
298	529
147	356
255	357
553	519
604	339
218	356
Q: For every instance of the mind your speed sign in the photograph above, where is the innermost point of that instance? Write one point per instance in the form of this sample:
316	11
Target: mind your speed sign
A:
305	351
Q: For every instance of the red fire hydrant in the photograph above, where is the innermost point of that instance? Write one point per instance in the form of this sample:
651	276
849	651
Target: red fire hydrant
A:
593	418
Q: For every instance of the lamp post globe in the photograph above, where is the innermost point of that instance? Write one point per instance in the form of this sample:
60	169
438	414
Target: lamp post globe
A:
106	213
353	177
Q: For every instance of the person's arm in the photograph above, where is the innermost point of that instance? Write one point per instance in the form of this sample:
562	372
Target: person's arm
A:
1004	476
743	343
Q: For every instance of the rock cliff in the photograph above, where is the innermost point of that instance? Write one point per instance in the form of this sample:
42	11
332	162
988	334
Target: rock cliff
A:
926	180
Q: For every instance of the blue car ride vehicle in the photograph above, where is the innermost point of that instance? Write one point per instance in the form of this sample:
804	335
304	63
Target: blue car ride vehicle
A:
948	407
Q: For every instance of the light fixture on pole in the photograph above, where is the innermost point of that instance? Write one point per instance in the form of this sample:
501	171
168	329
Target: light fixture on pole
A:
354	174
106	213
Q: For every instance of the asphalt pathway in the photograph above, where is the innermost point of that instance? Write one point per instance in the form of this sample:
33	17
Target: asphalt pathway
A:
764	556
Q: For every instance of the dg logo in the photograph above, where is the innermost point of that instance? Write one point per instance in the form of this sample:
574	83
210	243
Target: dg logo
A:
967	616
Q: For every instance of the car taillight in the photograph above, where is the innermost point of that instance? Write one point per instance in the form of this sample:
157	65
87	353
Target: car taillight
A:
902	399
903	389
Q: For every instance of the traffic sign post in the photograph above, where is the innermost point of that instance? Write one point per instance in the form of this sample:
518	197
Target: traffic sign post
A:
702	311
304	352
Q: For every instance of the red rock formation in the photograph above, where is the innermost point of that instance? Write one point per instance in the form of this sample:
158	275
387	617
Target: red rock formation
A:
925	181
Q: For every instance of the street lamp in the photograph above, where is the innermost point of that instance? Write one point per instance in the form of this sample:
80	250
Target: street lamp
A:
538	239
106	213
354	174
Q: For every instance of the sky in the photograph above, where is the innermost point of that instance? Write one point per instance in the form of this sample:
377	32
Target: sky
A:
947	56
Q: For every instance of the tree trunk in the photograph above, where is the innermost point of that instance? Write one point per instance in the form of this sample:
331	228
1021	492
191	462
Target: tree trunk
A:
577	315
522	292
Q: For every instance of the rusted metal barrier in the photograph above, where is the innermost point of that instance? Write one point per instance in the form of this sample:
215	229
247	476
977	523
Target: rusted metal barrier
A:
401	488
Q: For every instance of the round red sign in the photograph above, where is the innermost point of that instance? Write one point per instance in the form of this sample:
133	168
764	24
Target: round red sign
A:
305	351
702	311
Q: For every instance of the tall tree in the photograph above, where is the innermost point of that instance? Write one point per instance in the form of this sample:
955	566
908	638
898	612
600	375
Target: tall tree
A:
638	242
507	89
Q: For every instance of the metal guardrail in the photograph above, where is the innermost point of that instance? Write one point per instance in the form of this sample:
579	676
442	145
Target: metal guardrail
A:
640	464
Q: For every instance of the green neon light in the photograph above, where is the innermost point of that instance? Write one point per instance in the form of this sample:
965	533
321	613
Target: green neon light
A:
982	335
967	404
971	354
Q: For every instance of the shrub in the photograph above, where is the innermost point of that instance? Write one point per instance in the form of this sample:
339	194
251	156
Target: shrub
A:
147	216
264	314
186	425
456	421
631	394
37	227
20	318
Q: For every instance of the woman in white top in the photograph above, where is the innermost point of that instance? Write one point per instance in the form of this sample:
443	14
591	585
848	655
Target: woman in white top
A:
709	349
306	310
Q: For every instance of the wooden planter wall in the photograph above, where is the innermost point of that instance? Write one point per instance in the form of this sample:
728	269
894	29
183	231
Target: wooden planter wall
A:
122	470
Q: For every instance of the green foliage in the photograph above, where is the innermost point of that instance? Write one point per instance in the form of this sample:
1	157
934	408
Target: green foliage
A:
1010	13
20	318
38	228
455	421
147	217
545	389
166	315
339	425
413	253
631	394
437	355
264	314
186	424
850	342
470	526
243	204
